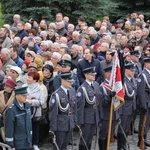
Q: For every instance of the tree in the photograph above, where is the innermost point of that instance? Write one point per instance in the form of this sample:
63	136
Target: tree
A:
89	9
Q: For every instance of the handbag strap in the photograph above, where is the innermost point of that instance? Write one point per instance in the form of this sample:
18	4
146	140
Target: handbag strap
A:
4	110
36	109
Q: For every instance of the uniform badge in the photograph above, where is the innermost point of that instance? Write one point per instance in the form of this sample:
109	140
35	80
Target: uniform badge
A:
139	80
79	94
53	101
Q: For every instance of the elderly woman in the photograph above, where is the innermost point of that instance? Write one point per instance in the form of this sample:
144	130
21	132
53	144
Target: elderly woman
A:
35	98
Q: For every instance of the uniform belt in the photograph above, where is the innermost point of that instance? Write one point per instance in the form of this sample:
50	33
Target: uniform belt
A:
129	99
147	91
91	106
66	114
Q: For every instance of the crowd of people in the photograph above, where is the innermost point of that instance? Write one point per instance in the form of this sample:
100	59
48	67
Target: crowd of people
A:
62	70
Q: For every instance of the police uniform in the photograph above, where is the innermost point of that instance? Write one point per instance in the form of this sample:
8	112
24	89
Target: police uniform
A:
62	113
57	79
143	94
88	97
105	101
18	127
138	66
127	110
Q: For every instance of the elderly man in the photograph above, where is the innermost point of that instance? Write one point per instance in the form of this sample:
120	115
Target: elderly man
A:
94	37
75	54
61	29
16	19
43	35
6	42
55	58
139	39
97	25
75	40
5	58
55	47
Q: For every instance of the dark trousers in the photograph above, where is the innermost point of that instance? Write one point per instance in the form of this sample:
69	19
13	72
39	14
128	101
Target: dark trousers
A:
125	123
104	129
88	131
62	139
35	137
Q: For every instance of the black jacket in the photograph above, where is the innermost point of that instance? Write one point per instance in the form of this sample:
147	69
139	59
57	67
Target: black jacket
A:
85	64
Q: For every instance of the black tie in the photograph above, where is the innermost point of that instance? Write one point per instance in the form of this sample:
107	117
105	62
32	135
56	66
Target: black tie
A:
92	86
68	93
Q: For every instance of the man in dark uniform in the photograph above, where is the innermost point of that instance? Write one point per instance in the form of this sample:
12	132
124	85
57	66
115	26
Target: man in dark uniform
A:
66	66
88	97
62	111
127	110
105	101
143	94
135	55
18	127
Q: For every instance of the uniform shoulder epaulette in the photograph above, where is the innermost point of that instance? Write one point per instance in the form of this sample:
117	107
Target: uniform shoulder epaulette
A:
11	106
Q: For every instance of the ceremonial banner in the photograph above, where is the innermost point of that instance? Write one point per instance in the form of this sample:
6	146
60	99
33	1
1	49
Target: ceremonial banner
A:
116	83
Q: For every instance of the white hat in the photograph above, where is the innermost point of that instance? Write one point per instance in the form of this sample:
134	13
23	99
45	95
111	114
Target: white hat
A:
16	68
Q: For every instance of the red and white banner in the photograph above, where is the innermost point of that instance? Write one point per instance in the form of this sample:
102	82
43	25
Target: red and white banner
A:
116	83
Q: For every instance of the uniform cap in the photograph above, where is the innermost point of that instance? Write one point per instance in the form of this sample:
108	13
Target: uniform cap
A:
89	70
16	69
10	83
146	59
65	63
67	76
135	53
21	90
129	66
108	68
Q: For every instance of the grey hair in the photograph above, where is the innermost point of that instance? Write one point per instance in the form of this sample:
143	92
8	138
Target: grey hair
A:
17	16
6	51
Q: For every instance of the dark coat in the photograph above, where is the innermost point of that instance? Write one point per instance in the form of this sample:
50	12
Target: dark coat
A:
143	91
22	34
18	127
85	64
59	120
129	106
106	102
88	113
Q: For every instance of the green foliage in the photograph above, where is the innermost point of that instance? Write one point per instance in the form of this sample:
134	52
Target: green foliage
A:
89	9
